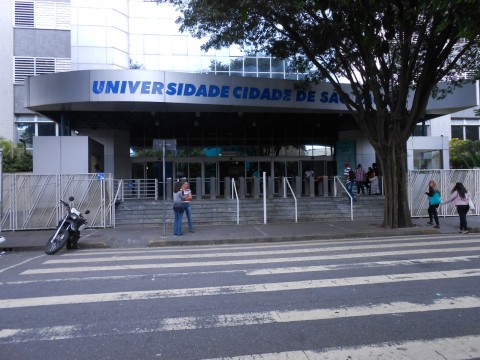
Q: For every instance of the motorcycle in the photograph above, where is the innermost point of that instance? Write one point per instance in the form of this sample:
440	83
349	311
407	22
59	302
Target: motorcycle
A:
68	230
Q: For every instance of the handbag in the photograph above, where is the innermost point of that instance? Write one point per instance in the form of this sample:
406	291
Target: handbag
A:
471	204
178	207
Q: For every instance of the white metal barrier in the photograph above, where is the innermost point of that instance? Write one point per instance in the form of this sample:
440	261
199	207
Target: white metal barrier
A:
32	201
446	179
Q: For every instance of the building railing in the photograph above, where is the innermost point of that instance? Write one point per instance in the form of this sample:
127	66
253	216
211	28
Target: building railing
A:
138	189
235	196
285	184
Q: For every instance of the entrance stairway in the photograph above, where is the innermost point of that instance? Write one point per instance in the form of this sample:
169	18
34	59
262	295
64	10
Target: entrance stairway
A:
224	211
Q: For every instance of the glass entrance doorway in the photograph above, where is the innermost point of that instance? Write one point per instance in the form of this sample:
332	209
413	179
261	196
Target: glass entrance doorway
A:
200	172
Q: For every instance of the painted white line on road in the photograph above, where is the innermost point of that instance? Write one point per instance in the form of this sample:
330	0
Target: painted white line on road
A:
458	348
256	246
234	320
270	317
236	289
20	263
256	253
266	271
256	261
373	264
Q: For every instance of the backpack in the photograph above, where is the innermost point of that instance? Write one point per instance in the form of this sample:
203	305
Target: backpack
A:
435	199
351	175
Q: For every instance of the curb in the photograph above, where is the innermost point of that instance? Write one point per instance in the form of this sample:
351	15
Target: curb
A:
417	230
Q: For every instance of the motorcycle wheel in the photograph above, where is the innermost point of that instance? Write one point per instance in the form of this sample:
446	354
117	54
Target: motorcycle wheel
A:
56	243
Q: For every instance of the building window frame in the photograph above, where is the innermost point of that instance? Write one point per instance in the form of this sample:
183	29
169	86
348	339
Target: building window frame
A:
42	15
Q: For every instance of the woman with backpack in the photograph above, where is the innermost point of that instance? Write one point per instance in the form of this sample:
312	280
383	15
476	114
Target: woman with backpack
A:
434	201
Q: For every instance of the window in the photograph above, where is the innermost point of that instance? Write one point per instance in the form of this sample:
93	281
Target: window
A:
30	126
42	14
457	132
31	66
24	14
465	132
421	130
426	159
471	133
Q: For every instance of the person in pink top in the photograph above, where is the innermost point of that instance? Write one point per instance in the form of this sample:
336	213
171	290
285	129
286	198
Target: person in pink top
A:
459	197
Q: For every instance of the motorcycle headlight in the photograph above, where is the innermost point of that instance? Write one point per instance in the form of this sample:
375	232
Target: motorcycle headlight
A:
73	216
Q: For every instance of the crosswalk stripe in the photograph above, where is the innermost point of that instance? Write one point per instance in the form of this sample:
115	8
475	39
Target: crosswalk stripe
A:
257	246
256	253
235	320
458	348
264	271
301	269
243	261
236	289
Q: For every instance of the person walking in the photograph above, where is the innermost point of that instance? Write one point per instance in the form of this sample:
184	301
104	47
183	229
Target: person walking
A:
360	179
434	201
349	180
368	183
459	197
178	209
186	204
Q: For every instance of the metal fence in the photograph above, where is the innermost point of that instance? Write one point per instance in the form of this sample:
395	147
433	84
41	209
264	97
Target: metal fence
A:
32	201
445	179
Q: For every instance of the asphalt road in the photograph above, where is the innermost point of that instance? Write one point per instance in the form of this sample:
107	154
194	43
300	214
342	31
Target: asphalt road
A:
411	297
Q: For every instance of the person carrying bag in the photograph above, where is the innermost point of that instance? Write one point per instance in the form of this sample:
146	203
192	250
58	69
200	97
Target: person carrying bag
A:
178	197
434	201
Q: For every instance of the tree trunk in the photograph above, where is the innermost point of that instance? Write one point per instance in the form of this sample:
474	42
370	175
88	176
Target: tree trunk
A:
392	156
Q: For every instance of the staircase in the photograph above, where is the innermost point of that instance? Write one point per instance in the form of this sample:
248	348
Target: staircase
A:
224	211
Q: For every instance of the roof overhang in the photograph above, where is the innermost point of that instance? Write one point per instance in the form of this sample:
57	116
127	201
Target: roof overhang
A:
160	91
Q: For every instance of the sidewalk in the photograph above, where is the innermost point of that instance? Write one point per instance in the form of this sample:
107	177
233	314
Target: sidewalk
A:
140	237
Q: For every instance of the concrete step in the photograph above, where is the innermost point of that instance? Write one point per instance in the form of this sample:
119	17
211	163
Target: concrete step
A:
224	211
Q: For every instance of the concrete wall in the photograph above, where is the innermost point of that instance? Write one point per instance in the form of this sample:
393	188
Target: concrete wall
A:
7	126
62	154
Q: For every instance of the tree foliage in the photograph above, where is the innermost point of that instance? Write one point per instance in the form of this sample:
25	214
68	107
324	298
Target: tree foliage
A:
15	159
464	154
393	53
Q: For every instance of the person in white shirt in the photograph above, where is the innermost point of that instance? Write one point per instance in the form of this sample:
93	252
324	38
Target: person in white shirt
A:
186	204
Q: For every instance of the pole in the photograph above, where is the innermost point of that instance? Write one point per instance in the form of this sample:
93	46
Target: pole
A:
164	200
264	197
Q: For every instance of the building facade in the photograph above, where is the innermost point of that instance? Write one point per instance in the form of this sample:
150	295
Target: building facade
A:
53	36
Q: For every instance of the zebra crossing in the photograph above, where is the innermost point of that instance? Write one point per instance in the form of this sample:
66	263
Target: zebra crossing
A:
395	296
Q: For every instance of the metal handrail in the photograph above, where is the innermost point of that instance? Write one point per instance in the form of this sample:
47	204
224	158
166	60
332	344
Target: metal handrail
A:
117	193
286	182
234	191
140	189
337	179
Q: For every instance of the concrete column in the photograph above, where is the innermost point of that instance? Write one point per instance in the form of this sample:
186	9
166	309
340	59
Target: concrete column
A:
227	191
298	186
256	187
198	185
270	186
241	187
213	188
311	183
169	189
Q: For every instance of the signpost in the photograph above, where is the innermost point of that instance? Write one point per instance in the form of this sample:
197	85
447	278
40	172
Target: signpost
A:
164	145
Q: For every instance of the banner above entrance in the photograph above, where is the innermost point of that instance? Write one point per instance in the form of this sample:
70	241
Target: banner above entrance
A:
124	90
